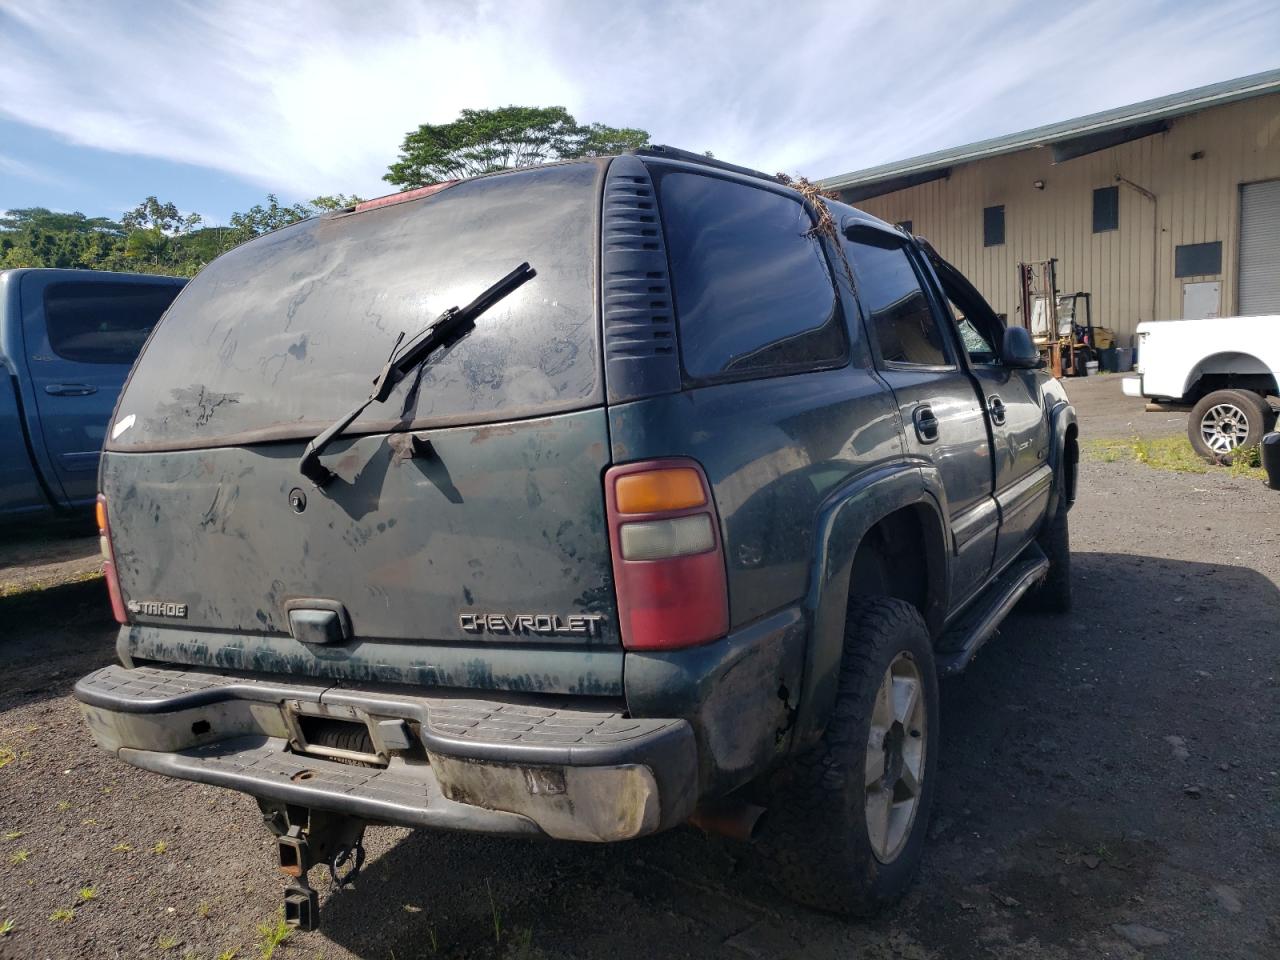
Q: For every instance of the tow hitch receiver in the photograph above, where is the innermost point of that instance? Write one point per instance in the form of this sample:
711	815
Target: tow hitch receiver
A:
304	838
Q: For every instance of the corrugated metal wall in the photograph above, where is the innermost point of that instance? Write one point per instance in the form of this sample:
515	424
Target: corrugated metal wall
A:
1197	201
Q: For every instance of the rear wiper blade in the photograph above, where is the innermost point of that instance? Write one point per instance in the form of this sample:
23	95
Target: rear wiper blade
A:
447	329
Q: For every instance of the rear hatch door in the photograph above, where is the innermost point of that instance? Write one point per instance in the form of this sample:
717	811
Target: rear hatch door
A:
463	540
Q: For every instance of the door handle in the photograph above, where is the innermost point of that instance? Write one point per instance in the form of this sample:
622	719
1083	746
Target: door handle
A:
70	389
997	408
926	423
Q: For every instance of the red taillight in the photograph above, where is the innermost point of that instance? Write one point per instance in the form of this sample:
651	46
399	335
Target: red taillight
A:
109	562
668	561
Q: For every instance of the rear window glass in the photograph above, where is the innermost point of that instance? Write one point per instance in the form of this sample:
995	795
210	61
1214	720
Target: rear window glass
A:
284	334
103	322
899	315
752	289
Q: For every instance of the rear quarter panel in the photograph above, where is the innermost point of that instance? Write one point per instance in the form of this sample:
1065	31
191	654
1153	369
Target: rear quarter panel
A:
772	449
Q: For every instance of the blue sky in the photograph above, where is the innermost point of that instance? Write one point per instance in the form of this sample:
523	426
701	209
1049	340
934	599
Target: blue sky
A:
214	104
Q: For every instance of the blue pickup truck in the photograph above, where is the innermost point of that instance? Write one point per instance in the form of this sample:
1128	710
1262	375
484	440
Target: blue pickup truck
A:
67	341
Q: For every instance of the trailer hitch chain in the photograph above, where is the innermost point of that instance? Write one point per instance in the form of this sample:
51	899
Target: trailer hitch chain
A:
345	864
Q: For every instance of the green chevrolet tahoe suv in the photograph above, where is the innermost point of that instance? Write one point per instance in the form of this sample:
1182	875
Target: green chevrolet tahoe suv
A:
678	518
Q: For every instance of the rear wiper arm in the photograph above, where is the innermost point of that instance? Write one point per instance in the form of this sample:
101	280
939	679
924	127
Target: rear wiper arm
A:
448	328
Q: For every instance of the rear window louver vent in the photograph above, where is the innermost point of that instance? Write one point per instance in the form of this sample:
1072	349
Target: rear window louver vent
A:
641	358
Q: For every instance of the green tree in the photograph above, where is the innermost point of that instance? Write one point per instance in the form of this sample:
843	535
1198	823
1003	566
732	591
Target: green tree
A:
483	141
151	214
38	237
155	233
260	218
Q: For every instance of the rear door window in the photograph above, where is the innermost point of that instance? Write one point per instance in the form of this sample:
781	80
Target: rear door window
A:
900	317
753	291
103	322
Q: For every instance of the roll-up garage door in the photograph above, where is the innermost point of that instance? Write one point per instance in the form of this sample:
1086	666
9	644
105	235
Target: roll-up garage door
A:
1260	248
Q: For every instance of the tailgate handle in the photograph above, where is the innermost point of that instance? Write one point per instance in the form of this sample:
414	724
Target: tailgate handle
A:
316	621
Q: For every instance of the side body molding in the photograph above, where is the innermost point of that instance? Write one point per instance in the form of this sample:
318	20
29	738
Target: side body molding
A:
846	516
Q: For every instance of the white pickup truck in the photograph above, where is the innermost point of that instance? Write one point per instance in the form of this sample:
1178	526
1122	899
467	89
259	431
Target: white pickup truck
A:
1228	368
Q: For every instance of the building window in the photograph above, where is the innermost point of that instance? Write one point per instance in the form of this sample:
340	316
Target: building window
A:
1106	209
993	226
904	225
1197	259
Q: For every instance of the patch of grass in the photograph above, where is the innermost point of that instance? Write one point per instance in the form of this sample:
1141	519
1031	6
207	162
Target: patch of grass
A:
272	935
203	910
6	927
21	856
160	847
63	806
15	589
493	908
1170	453
62	915
167	943
87	893
228	954
7	757
90	822
13	835
1246	462
122	848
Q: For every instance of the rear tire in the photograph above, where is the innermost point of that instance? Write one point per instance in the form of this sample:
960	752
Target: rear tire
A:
846	821
1226	420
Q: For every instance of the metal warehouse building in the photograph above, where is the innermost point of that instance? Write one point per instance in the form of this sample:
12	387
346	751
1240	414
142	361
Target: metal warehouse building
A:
1164	209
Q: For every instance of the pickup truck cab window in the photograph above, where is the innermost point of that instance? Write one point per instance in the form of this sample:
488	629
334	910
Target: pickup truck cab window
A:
103	322
753	290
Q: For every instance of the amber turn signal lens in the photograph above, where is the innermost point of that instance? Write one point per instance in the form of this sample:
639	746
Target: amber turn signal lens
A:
657	491
100	511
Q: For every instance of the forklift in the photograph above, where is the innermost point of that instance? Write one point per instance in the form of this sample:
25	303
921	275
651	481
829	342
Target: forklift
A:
1054	320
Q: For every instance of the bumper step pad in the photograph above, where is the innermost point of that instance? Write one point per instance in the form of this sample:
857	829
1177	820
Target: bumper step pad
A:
261	766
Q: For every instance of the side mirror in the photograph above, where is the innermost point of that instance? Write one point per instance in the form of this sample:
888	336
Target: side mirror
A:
1017	351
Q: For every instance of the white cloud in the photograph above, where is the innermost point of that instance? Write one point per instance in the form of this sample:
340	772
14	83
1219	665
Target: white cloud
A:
307	98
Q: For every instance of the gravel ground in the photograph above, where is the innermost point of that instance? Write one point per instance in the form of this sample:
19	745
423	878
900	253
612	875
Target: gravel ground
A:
1110	787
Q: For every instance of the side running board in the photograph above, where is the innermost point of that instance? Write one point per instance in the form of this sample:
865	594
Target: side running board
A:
960	644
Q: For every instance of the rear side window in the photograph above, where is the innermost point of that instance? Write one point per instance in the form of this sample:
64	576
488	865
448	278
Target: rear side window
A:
103	322
901	320
753	291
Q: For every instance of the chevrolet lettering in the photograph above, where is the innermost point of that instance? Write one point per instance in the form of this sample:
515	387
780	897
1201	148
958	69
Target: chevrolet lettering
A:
544	624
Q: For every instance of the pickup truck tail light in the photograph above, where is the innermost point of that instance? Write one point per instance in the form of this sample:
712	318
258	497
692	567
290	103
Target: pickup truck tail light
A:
668	561
109	561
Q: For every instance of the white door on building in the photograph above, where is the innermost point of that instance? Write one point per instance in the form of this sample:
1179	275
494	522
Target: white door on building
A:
1260	248
1201	300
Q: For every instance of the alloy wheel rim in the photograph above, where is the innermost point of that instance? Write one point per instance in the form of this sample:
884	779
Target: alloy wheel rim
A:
1224	427
896	750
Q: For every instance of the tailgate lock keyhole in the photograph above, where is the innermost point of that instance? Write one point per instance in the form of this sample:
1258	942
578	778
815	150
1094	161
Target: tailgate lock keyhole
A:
297	499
